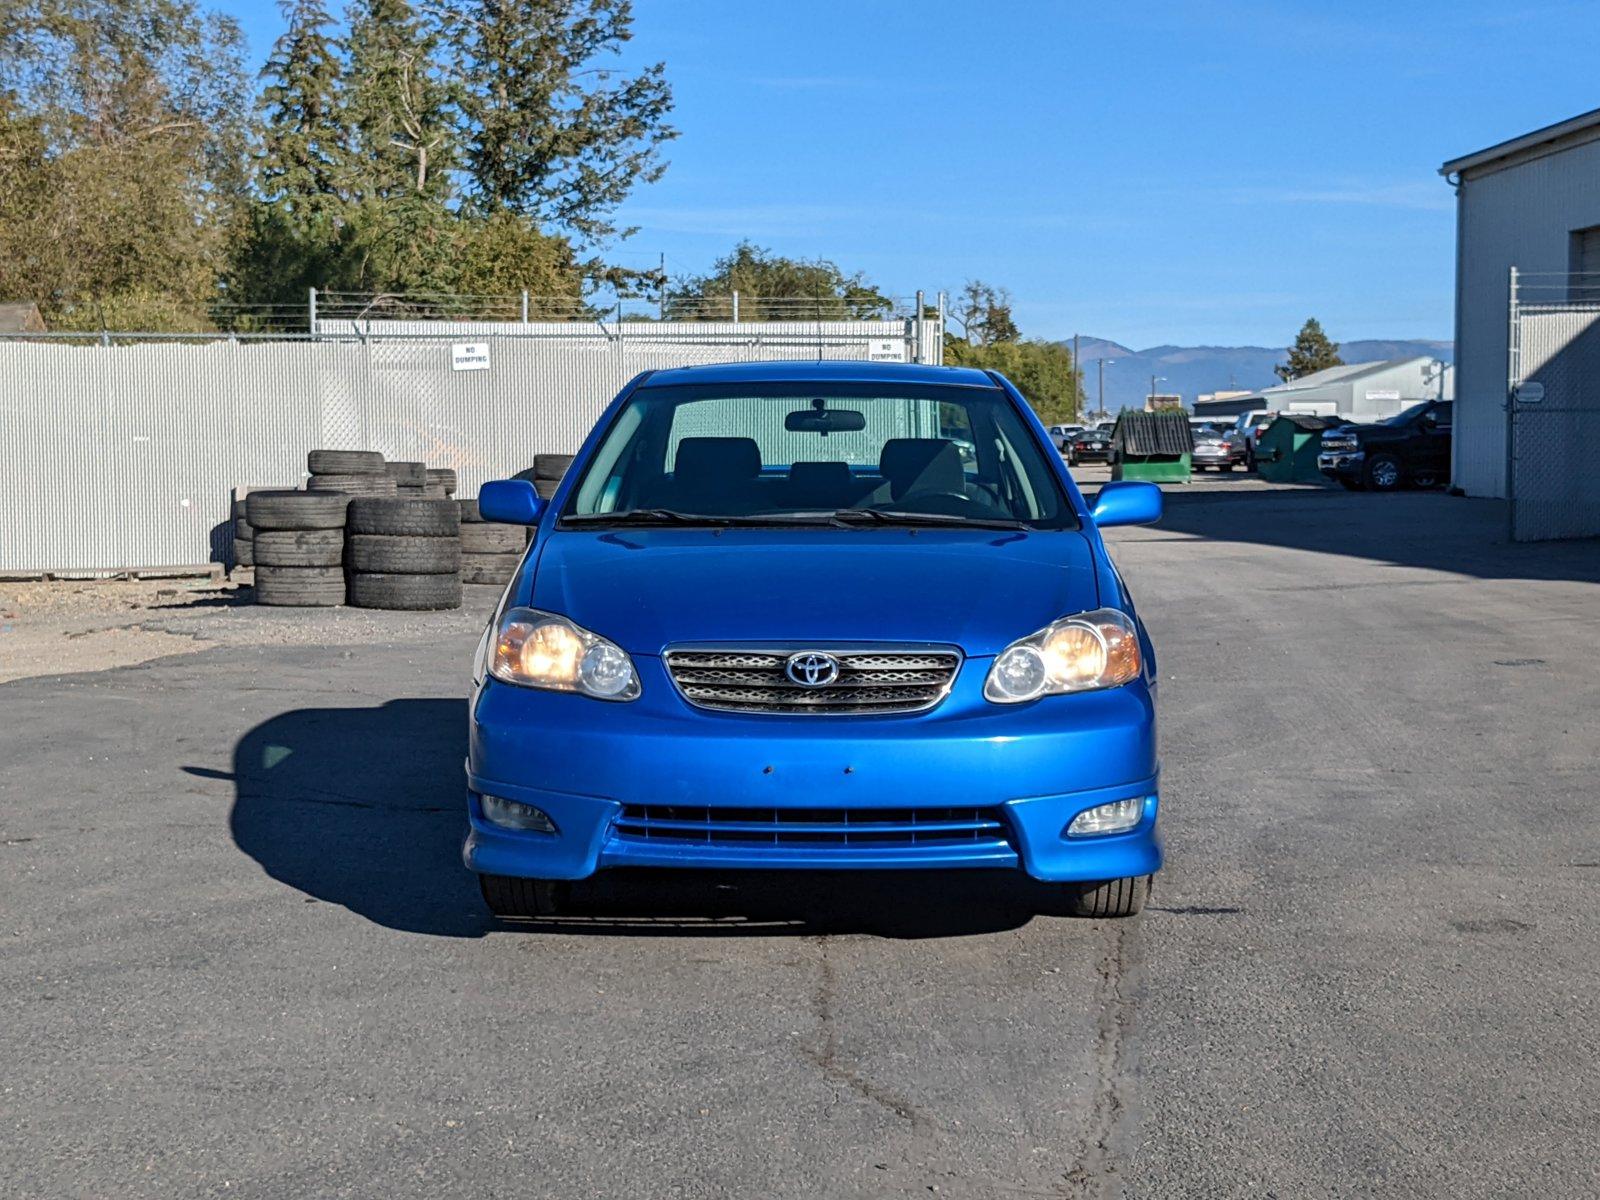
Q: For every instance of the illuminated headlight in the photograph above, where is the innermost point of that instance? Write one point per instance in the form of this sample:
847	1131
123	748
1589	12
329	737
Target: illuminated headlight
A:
1117	817
544	650
511	814
1092	650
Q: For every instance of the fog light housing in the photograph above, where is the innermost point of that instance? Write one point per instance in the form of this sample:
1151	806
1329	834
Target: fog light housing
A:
512	814
1117	817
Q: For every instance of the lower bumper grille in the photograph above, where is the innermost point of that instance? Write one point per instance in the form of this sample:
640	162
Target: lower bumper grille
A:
704	825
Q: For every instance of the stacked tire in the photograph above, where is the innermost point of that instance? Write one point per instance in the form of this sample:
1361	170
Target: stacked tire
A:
547	472
244	546
440	483
298	547
410	479
403	552
354	472
489	552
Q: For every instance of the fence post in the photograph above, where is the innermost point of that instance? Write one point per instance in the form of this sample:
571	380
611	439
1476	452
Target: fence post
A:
1513	378
916	329
736	306
311	311
524	306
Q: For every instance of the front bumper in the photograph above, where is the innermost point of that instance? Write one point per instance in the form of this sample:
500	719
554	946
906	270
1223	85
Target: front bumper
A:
1342	464
1036	765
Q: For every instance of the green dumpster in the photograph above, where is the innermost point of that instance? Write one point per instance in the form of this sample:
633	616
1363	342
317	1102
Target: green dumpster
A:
1153	446
1287	451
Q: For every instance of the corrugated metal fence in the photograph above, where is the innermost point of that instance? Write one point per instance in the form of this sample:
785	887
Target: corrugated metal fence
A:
125	456
1553	447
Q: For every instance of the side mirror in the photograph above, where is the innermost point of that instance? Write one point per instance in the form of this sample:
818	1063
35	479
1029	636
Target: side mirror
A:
1124	502
510	502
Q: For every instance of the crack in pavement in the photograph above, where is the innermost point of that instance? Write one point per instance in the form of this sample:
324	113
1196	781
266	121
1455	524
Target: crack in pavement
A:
1112	1120
826	1053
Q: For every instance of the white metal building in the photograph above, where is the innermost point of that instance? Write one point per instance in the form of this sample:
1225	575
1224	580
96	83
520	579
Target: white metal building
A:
1531	203
1368	391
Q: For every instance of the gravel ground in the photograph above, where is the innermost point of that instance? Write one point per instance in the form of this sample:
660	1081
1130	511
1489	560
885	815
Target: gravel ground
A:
240	956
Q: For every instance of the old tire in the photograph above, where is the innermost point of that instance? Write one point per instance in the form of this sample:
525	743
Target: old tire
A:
244	552
389	554
407	474
551	466
510	897
489	568
345	462
242	530
1108	897
546	487
300	587
296	510
1383	473
481	537
405	592
405	516
354	485
443	478
299	548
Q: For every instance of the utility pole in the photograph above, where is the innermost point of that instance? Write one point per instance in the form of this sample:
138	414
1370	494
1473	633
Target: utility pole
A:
1077	377
662	307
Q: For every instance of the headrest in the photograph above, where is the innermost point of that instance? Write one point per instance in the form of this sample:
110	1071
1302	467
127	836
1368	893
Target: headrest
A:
921	465
717	459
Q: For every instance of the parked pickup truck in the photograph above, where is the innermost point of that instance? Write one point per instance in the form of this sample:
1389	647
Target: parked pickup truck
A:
1411	448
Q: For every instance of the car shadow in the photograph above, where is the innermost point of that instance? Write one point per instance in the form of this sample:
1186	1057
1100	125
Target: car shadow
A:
365	808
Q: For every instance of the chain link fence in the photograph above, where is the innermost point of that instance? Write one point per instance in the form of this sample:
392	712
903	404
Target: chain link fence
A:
1553	413
124	455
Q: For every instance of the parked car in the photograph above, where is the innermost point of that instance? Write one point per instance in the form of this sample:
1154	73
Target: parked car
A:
754	635
1213	447
1249	428
1062	434
1092	445
1410	448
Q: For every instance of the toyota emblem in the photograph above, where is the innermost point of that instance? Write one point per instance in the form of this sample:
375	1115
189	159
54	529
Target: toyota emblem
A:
812	669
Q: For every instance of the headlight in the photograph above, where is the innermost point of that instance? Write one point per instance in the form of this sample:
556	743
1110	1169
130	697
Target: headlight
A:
544	650
1092	650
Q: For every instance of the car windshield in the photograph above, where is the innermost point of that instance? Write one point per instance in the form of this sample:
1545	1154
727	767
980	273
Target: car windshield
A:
1406	415
819	453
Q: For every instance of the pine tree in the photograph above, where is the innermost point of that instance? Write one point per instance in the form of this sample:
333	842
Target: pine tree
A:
552	134
396	103
304	153
1312	351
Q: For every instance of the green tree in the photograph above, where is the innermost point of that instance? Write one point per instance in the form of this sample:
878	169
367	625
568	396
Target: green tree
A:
550	132
1043	372
304	147
984	314
772	287
122	136
1312	351
397	102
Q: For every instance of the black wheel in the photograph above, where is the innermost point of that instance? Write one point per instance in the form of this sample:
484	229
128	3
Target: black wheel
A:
1354	485
408	593
1108	897
1072	460
300	587
489	568
1424	479
354	485
407	474
405	516
1383	473
1228	467
344	462
296	510
299	547
480	537
507	896
378	553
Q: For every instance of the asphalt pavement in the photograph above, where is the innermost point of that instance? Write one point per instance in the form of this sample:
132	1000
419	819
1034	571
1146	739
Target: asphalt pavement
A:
240	956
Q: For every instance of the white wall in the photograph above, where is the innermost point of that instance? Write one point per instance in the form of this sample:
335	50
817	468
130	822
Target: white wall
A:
1521	216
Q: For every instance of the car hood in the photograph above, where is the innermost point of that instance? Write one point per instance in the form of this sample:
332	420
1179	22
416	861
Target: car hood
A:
647	589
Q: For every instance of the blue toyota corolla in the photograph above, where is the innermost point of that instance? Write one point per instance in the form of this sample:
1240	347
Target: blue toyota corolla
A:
816	616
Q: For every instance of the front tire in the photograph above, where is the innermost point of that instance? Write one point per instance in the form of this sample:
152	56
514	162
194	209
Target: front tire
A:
1108	897
1353	485
508	896
1383	473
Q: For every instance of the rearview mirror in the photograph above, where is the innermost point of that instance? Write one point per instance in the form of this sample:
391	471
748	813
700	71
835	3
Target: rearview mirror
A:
825	421
1127	502
510	502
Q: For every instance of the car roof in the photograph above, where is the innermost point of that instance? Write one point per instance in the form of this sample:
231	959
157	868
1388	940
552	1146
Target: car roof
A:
813	371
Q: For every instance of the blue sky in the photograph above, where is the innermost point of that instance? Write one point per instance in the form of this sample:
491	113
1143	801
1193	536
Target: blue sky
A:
1148	172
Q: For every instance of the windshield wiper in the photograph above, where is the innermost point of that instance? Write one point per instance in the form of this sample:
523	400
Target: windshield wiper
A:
878	516
645	516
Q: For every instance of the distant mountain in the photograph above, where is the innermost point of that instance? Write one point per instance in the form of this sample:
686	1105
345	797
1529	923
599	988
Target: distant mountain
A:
1192	370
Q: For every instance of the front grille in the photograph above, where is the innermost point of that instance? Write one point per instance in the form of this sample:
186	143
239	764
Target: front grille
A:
870	681
710	826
